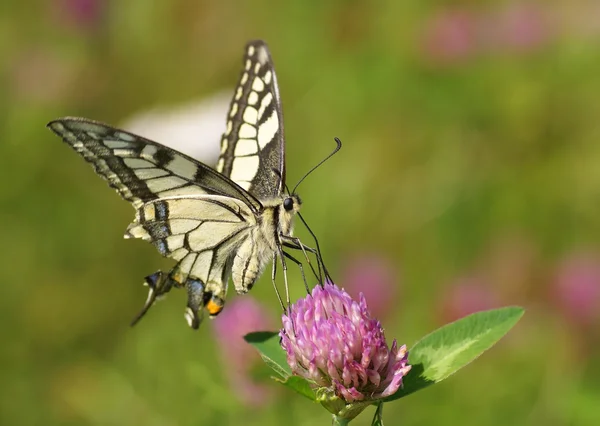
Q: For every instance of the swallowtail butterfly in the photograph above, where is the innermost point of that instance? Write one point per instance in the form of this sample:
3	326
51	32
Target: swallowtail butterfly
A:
217	224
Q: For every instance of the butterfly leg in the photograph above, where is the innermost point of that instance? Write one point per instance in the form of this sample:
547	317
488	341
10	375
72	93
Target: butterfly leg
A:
297	262
273	275
285	279
158	284
296	244
318	251
321	264
286	309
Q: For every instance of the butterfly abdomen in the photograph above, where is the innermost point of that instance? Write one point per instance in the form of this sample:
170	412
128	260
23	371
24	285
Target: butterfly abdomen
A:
250	261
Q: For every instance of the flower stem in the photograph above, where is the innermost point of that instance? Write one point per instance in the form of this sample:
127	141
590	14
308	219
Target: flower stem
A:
339	421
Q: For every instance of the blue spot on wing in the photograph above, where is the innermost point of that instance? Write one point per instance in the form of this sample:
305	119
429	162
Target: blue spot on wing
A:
162	210
158	230
161	246
195	286
151	280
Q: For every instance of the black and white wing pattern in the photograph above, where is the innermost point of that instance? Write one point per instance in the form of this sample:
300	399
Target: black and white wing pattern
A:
218	225
252	147
142	170
185	209
203	234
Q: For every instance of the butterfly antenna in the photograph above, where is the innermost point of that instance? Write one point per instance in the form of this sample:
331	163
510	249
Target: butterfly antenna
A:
337	148
287	188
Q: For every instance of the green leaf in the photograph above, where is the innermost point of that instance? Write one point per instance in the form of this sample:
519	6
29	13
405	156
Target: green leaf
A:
267	344
453	346
300	385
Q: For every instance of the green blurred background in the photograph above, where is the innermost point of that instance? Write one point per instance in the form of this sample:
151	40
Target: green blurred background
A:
469	179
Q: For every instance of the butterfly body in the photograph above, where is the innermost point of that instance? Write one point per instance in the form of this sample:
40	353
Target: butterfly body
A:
274	224
218	225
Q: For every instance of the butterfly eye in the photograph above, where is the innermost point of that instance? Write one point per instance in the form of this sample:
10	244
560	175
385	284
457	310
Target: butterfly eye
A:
288	204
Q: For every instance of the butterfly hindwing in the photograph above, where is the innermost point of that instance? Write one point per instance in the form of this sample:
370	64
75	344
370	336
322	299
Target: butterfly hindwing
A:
252	147
200	232
203	234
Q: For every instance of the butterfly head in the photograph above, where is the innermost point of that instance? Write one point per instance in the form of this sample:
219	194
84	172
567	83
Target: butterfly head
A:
292	203
289	207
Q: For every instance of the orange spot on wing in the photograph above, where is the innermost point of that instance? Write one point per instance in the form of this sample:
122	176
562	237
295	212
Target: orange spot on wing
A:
213	307
178	278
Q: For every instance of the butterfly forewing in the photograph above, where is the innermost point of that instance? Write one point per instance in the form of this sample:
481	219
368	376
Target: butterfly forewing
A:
142	170
252	147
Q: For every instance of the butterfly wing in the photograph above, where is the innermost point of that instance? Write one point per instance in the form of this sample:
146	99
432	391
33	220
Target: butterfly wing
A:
187	210
252	147
201	232
142	170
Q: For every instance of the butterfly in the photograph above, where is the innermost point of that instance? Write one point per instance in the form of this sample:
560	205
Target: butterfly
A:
218	225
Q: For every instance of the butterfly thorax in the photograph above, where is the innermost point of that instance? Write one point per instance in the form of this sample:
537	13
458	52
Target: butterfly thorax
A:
281	211
256	251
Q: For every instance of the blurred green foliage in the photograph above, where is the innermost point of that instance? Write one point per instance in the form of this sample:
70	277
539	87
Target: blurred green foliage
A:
464	154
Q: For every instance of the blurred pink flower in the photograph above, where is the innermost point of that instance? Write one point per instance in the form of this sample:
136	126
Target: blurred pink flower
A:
374	277
520	26
577	288
40	76
82	14
467	295
241	316
450	36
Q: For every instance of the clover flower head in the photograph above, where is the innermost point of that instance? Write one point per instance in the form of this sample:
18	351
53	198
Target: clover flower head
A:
331	340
